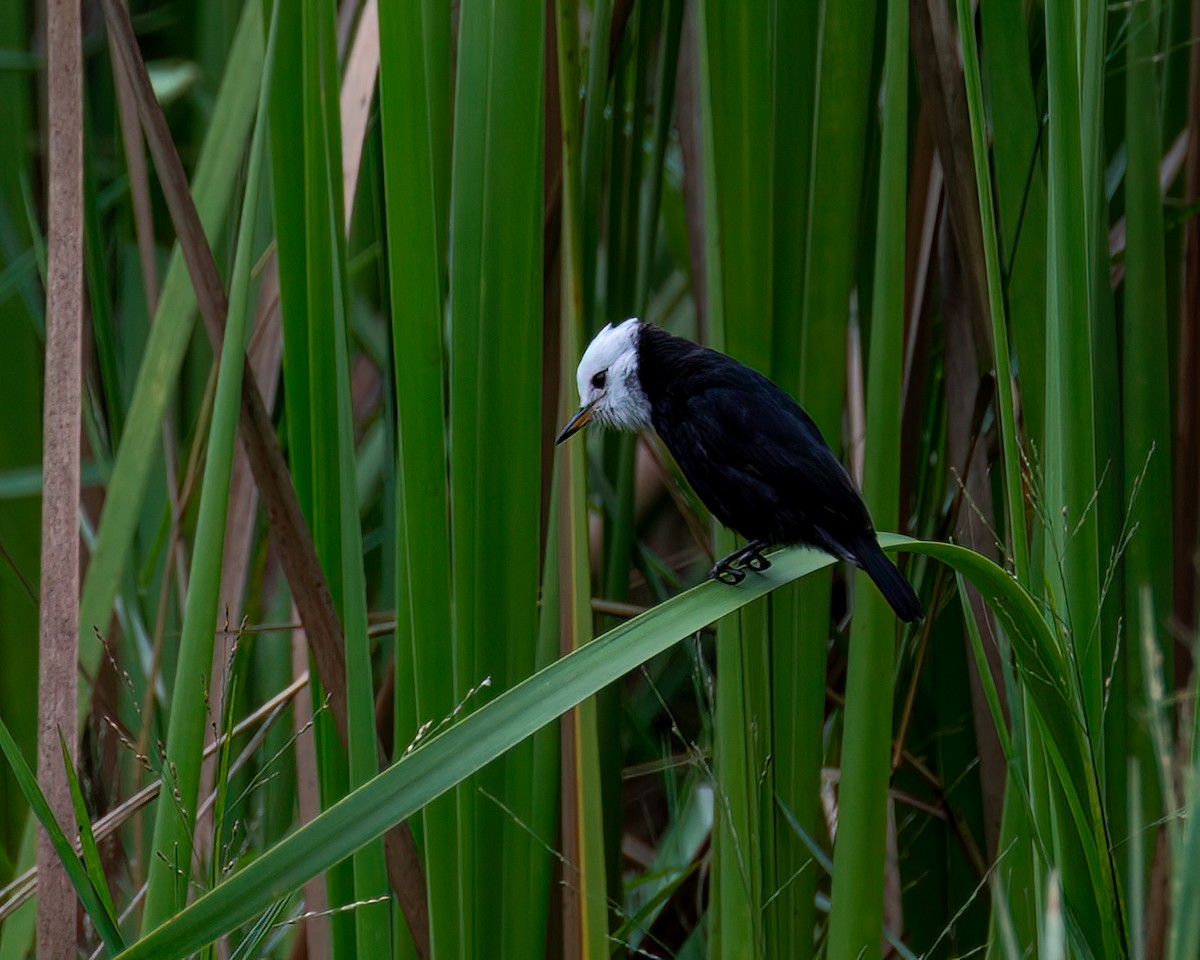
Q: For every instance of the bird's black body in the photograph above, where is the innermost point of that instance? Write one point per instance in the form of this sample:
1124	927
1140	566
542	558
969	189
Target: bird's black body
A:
757	460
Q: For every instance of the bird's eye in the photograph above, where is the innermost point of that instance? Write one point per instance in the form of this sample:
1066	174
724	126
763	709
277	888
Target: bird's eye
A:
599	379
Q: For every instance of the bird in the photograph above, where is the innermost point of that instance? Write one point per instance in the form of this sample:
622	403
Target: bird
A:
755	459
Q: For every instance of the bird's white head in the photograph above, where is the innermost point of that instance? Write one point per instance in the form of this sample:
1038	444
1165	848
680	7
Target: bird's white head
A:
610	392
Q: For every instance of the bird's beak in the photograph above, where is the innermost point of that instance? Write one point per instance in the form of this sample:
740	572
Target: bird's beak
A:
576	423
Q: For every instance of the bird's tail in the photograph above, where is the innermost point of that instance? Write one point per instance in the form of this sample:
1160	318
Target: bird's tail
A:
890	581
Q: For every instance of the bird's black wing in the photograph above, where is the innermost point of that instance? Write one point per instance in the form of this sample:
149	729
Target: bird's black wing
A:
759	462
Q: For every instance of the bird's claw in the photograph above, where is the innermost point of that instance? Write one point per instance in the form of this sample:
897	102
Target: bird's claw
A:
730	575
757	562
732	569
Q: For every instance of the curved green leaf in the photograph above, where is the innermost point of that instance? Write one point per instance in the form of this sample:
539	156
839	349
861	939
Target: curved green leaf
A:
448	758
445	760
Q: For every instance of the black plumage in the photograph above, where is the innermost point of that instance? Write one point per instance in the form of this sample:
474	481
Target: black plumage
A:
756	460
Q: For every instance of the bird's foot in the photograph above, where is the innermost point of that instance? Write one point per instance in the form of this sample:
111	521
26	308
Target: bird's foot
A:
732	569
730	575
756	561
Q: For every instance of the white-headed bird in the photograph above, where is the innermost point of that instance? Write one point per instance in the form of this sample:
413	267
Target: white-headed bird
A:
751	453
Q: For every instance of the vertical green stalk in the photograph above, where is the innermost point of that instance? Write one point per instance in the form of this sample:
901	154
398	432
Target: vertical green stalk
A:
737	42
290	181
857	897
1145	387
736	65
408	98
176	810
627	147
270	672
463	333
323	257
843	95
664	110
510	433
1014	500
596	126
20	444
438	39
287	130
1145	374
618	300
797	640
566	36
372	918
1020	200
495	327
321	300
585	918
333	423
308	227
1070	457
1020	204
1100	105
1072	542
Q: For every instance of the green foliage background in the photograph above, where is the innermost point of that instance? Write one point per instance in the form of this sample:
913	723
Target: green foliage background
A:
964	238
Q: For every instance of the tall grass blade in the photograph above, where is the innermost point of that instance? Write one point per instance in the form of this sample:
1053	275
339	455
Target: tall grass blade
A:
408	96
372	918
287	179
1018	144
991	694
337	528
1018	148
594	139
212	190
20	442
465	319
176	809
798	637
494	397
1014	498
1071	475
664	108
88	896
860	850
87	839
308	261
736	58
586	898
842	55
1145	383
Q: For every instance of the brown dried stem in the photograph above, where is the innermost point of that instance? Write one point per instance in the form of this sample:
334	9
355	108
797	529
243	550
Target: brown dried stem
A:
59	625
